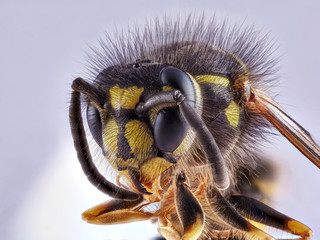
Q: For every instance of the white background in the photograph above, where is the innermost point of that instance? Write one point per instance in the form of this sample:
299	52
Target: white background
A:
42	45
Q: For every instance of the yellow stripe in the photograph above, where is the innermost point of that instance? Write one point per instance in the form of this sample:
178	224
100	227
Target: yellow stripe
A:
213	79
233	114
125	97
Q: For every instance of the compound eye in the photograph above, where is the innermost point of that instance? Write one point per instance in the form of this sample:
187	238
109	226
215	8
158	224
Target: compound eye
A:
179	80
94	123
170	128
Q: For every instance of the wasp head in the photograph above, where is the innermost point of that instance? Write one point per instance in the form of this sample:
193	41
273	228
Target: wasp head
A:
143	143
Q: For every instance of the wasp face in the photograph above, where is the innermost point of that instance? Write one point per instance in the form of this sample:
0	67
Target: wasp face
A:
132	141
181	126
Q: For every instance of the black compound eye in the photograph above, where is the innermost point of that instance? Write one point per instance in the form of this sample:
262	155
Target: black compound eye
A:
170	128
179	80
94	123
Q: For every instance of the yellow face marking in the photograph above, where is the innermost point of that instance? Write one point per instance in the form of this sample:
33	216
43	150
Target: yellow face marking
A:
125	97
167	88
110	139
140	139
213	79
153	168
233	114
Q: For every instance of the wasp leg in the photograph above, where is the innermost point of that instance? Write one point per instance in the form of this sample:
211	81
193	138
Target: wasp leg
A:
82	147
183	217
116	212
227	213
168	232
259	212
189	210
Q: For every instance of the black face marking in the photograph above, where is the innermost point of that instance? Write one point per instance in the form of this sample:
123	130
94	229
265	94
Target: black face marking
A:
124	150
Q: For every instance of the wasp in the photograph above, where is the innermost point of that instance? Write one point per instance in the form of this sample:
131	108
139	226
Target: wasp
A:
178	110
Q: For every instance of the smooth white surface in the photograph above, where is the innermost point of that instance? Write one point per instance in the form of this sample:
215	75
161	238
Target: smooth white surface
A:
42	44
